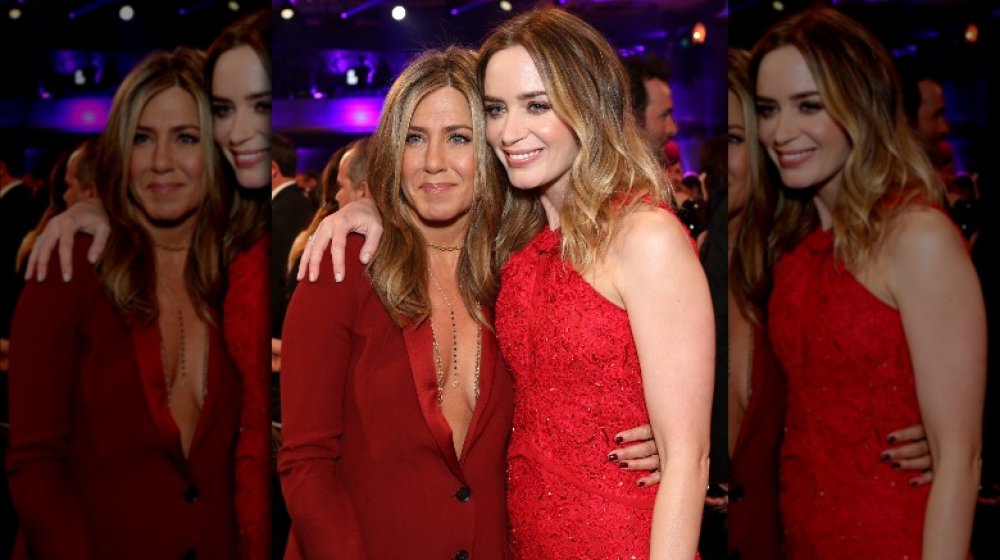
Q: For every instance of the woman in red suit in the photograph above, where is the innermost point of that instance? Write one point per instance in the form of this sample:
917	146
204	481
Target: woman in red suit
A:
125	405
396	402
238	69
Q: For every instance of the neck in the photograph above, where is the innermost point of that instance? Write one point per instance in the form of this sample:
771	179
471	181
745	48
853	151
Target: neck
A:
824	206
445	234
171	241
553	196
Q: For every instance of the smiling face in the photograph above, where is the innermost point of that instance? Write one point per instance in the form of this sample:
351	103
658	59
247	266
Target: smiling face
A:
801	138
439	160
166	163
241	104
534	145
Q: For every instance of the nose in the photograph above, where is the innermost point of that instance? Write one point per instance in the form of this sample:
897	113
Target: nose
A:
162	156
671	127
943	128
434	156
512	128
242	127
785	129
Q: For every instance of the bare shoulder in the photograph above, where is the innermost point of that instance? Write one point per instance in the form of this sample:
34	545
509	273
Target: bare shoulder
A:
922	233
649	231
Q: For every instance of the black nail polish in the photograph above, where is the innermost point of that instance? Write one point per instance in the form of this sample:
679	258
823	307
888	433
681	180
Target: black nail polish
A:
895	465
619	439
913	483
884	457
623	465
613	457
891	439
641	484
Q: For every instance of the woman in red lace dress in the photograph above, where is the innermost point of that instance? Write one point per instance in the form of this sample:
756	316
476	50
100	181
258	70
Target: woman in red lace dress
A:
598	298
875	313
238	72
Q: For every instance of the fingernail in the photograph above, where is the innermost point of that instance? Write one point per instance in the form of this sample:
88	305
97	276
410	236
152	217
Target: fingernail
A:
641	484
913	483
619	439
891	439
896	465
623	465
338	277
65	277
92	257
365	257
613	457
312	276
299	276
884	457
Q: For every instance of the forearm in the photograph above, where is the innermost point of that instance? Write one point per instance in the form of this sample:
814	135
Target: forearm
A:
678	508
951	507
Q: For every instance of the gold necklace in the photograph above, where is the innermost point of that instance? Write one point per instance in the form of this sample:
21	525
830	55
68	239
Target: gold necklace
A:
454	348
445	247
172	248
182	374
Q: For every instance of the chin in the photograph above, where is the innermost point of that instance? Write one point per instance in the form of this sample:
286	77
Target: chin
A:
254	178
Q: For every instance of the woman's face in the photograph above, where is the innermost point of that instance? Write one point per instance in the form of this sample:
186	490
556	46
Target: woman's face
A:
807	145
439	158
167	162
534	145
737	136
241	103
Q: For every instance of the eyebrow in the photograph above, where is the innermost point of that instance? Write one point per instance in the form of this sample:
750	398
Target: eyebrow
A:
449	128
253	96
737	126
177	128
521	97
796	97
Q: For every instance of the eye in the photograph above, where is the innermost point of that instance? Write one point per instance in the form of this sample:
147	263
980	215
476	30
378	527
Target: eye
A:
263	106
538	107
142	138
457	138
188	138
222	110
494	110
414	138
810	107
734	138
766	110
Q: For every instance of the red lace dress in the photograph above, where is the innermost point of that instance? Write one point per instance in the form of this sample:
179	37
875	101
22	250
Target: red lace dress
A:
577	384
850	383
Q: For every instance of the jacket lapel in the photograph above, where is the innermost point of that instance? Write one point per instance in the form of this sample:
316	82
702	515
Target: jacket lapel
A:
146	345
419	343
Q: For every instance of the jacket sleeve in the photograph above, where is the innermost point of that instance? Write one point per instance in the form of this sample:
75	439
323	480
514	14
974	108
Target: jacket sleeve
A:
316	350
44	370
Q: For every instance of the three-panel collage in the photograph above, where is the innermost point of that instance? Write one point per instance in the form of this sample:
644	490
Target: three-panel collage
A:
499	280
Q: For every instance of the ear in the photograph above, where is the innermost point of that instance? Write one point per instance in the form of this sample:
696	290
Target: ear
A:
363	190
275	170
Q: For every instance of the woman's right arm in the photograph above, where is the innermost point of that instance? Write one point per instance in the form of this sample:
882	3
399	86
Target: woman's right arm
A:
84	217
44	364
356	217
316	350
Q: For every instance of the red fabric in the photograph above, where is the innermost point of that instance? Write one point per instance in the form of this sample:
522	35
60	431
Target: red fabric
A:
246	325
95	463
576	372
754	522
367	463
850	383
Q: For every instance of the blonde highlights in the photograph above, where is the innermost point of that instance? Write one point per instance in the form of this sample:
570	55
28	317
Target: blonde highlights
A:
615	169
886	169
399	268
127	265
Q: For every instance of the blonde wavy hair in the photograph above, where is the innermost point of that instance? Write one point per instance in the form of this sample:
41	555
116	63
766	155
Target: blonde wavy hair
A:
615	169
399	268
886	169
749	278
127	265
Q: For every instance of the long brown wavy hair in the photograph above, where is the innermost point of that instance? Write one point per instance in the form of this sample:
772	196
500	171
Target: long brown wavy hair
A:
615	169
250	208
399	267
886	169
127	265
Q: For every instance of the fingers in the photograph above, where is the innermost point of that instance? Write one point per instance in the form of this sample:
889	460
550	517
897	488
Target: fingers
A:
100	240
913	433
643	450
925	478
320	238
909	451
651	479
40	253
66	253
642	433
371	242
717	504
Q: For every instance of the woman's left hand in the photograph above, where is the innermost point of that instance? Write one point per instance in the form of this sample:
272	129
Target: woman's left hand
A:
641	456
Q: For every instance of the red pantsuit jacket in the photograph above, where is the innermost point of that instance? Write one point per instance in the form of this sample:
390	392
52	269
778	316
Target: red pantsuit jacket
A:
368	466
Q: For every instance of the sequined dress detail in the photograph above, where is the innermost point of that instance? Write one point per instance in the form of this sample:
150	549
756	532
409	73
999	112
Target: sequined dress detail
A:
577	384
850	383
